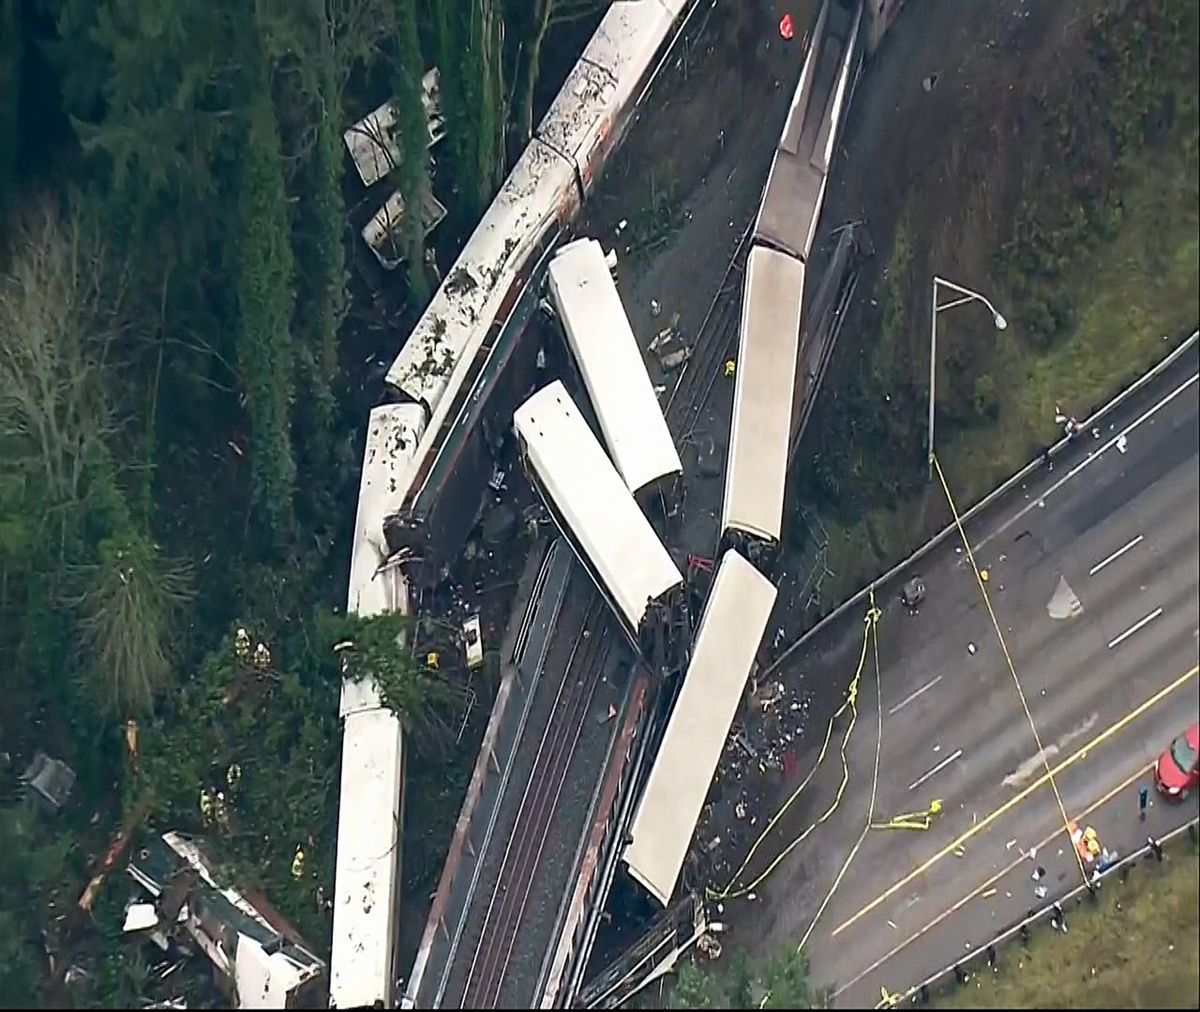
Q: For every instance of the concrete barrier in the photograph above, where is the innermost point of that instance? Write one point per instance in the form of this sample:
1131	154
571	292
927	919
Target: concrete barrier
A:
857	599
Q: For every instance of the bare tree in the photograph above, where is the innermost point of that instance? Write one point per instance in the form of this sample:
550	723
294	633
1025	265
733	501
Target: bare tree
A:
542	16
57	323
59	317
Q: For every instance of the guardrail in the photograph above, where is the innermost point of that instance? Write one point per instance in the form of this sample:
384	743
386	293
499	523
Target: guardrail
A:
1055	450
920	993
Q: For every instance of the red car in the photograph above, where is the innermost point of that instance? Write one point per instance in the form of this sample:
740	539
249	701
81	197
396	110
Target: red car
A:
1178	769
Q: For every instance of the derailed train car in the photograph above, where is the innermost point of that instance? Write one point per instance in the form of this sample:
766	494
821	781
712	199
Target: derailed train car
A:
765	391
440	377
449	364
610	363
602	521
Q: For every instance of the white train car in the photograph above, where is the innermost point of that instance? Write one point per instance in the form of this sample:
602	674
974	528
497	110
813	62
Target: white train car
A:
611	364
370	810
764	384
544	188
795	191
596	512
730	632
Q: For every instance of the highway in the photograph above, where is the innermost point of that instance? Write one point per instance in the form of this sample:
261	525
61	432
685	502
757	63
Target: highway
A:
1093	573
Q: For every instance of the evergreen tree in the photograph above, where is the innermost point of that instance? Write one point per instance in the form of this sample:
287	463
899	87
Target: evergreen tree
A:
468	42
266	296
412	173
10	99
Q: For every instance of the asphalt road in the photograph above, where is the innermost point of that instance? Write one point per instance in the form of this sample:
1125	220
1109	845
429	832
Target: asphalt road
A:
1107	686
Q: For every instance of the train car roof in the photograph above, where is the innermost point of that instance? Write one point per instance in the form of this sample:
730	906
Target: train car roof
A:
611	364
731	630
603	520
764	384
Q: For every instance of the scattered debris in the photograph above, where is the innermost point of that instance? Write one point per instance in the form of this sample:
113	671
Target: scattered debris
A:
258	958
473	641
50	780
912	594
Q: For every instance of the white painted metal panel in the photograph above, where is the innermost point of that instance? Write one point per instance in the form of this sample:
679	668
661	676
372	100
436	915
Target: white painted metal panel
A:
393	432
367	865
538	193
372	141
612	366
369	806
604	522
756	467
601	85
731	630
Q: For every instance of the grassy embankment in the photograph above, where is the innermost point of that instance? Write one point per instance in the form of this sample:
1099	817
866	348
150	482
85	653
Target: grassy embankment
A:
1095	265
1137	948
1135	296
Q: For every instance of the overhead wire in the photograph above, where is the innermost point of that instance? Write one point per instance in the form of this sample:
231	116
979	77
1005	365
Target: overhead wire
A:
1012	670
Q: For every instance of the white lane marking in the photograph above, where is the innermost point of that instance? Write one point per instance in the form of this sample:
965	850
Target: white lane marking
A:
1135	627
909	698
1040	502
1115	555
940	766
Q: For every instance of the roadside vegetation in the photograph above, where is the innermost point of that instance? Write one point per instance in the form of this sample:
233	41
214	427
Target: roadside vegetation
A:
1136	948
1087	242
182	328
778	982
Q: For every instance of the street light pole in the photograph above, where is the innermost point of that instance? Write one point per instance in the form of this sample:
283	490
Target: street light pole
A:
965	295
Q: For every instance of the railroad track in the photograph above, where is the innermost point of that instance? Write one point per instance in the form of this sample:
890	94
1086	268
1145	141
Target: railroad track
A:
518	870
497	935
714	338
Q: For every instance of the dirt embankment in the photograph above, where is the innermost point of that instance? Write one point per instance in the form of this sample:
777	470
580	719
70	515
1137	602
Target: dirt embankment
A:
1001	145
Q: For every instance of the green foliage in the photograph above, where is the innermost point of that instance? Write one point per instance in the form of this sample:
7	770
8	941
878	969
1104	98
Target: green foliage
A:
694	989
1137	90
380	648
321	263
131	597
265	302
779	982
150	85
10	98
35	878
468	38
413	171
866	443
